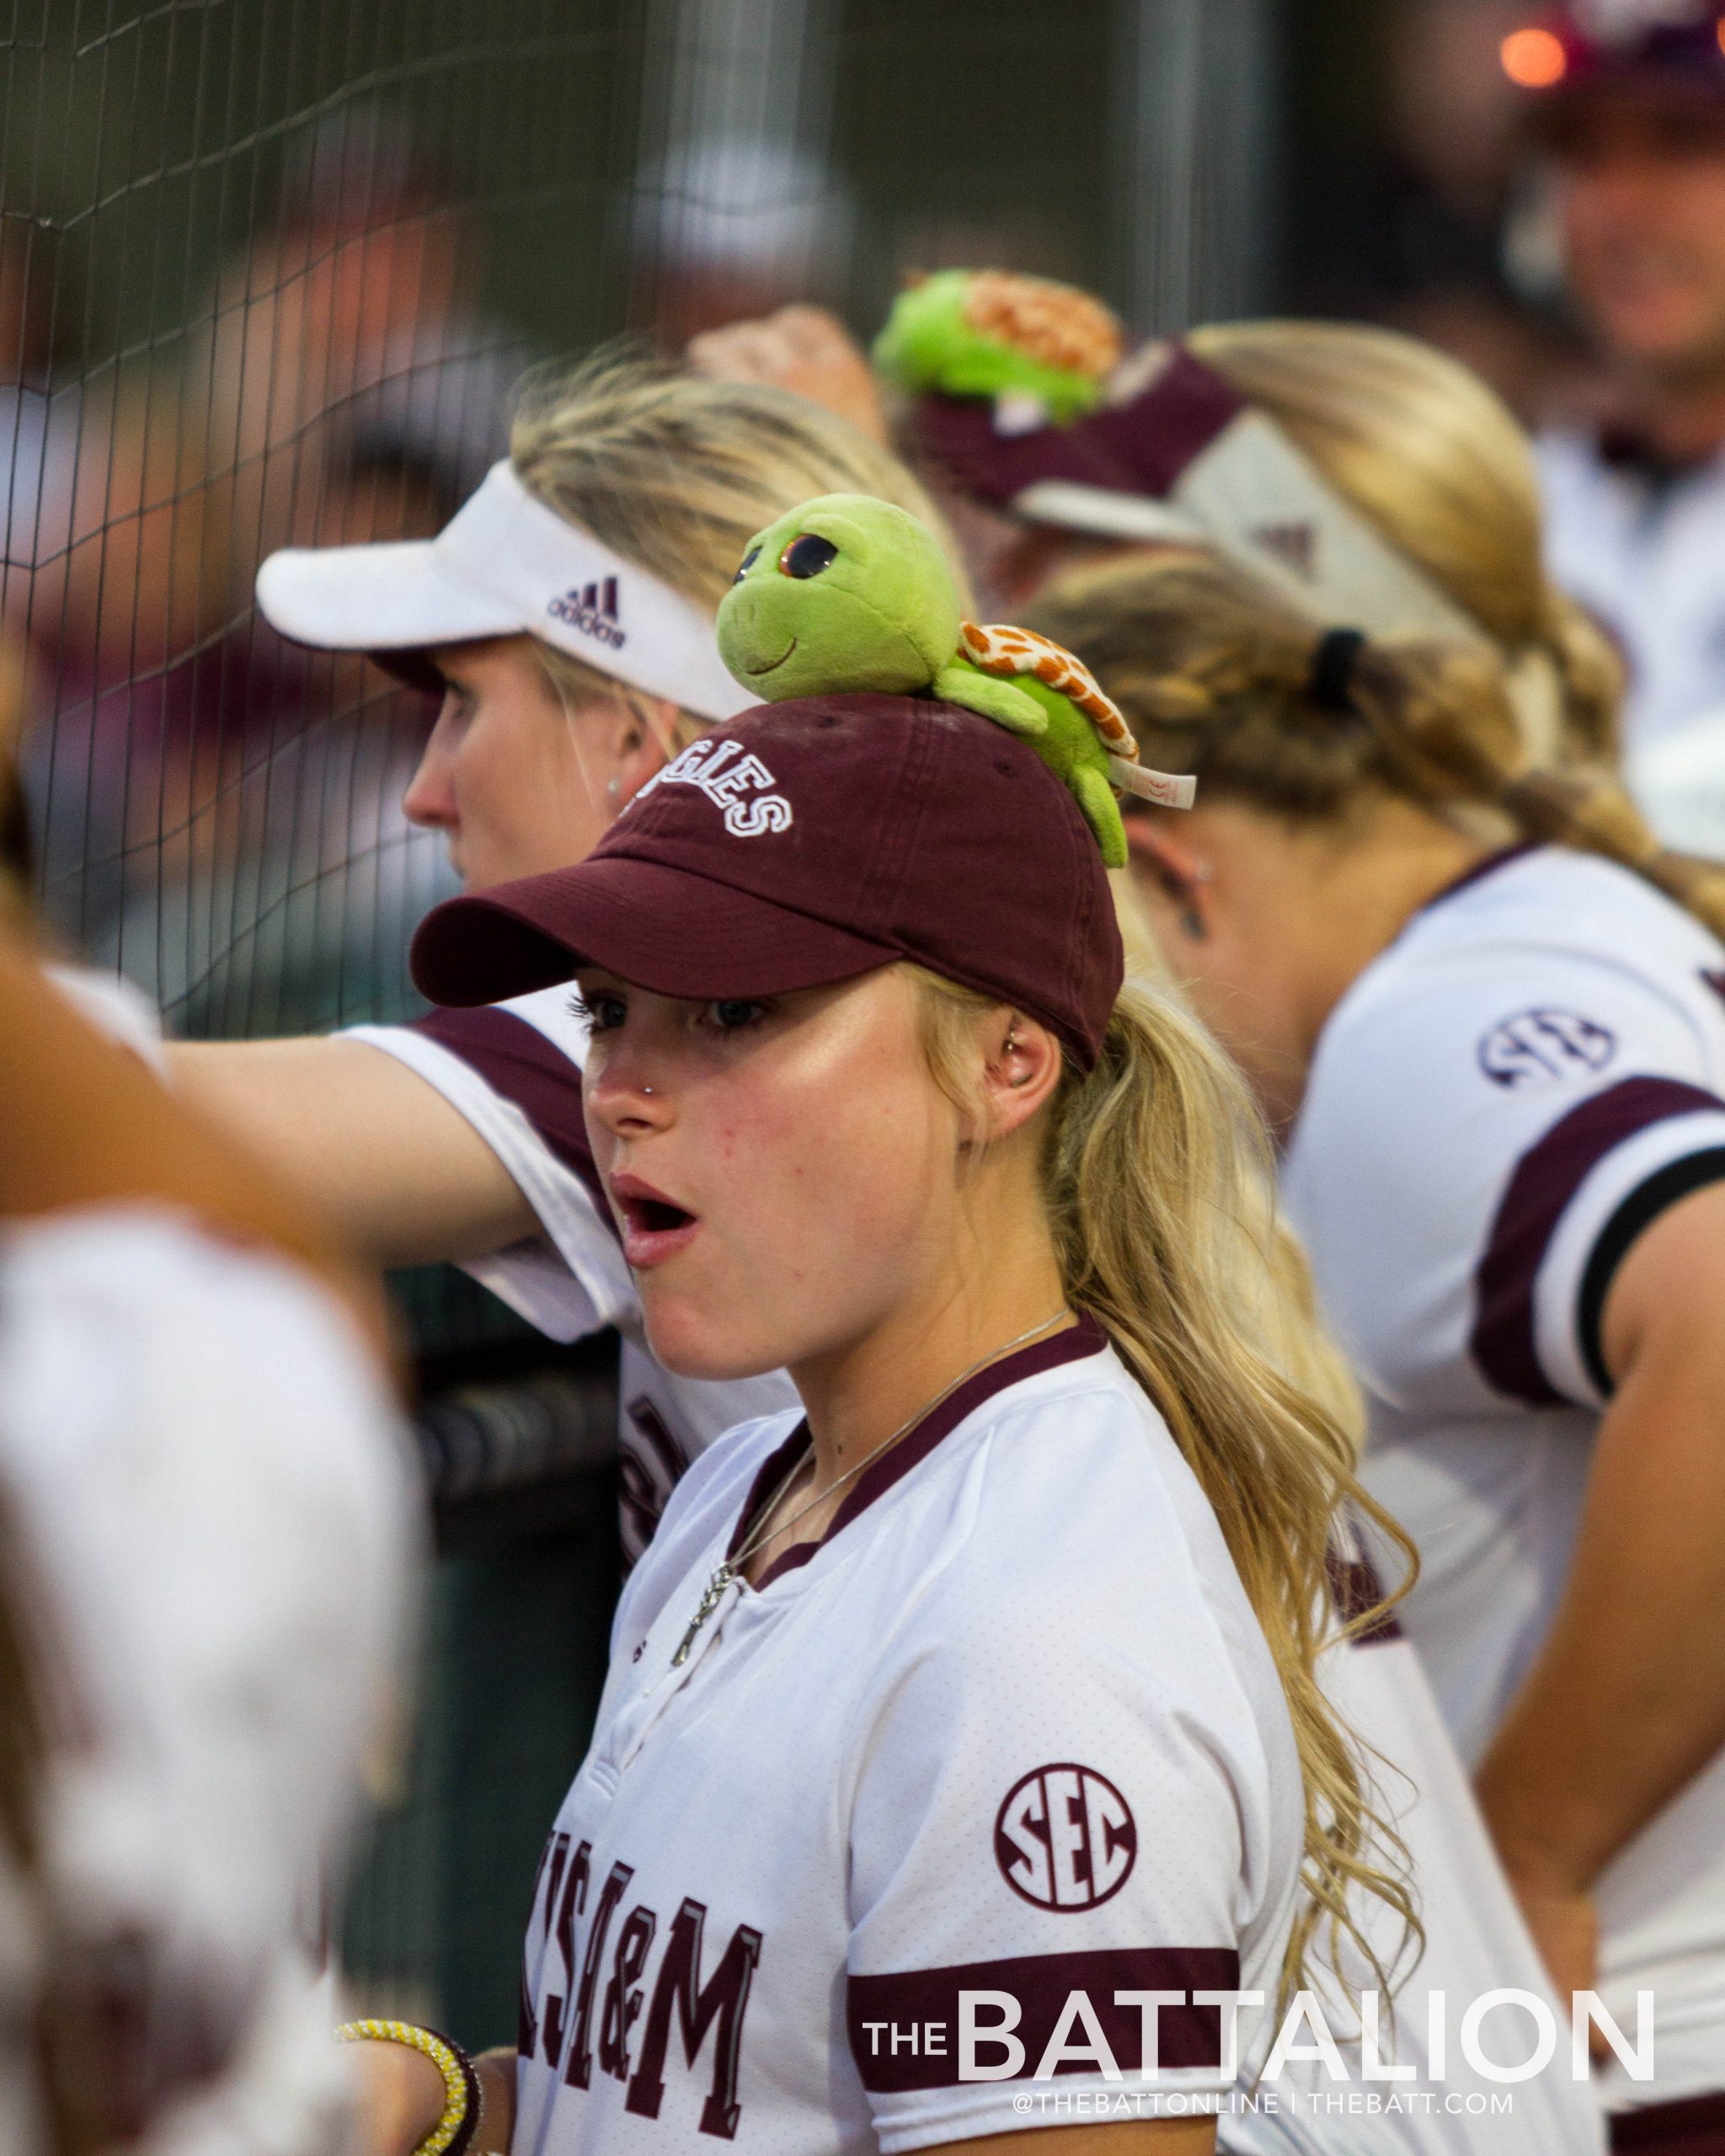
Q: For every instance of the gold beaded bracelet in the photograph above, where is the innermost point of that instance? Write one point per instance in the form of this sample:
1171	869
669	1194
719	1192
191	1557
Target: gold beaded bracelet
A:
463	2100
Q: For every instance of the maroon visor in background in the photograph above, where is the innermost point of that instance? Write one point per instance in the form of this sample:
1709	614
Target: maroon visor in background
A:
1678	51
1141	446
807	841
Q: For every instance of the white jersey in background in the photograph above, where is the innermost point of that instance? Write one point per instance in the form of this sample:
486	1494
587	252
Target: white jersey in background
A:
1440	2104
514	1071
1645	550
1010	1728
206	1502
1497	1106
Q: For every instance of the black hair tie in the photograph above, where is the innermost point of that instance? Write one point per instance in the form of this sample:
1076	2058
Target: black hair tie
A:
1331	683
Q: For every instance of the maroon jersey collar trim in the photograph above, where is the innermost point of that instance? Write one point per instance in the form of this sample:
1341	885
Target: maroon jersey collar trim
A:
1077	1344
1478	873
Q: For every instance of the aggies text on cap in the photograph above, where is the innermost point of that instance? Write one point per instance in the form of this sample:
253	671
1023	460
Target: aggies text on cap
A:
807	841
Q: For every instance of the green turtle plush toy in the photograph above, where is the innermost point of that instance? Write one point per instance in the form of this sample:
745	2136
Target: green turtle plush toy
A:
1046	348
847	594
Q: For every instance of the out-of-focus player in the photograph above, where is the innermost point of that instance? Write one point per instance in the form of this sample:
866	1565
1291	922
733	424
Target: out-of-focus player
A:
1496	1053
1624	107
568	610
204	1542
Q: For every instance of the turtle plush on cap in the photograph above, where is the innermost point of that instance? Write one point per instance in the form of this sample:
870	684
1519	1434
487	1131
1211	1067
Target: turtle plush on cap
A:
847	595
993	333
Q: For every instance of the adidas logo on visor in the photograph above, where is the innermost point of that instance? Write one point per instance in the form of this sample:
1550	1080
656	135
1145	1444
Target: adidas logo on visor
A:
592	609
737	782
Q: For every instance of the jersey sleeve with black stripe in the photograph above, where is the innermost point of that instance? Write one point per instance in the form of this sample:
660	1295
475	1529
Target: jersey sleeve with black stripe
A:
1486	1134
1501	1106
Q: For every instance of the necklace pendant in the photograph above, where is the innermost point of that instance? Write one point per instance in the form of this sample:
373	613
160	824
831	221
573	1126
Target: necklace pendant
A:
712	1596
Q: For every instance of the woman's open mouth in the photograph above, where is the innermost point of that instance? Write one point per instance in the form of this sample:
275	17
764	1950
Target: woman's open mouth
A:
653	1227
754	673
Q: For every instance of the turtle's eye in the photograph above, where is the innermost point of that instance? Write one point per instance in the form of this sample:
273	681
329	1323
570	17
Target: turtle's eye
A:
748	563
808	556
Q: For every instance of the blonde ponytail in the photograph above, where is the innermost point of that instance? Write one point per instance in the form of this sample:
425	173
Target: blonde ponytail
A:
1151	1161
1214	676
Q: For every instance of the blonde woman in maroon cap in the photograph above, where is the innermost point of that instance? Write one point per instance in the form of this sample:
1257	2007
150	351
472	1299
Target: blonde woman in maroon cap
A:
962	1758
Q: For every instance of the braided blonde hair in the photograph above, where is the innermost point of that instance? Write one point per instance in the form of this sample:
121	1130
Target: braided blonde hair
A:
1154	1175
1214	674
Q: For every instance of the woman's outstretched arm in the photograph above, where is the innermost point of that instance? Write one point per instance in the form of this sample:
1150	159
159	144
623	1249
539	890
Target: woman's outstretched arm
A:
403	1174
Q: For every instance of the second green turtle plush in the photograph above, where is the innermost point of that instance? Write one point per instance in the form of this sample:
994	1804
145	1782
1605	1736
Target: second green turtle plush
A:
994	332
845	595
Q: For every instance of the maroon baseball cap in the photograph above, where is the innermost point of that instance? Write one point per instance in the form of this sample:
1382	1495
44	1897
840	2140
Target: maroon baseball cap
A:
1568	56
804	842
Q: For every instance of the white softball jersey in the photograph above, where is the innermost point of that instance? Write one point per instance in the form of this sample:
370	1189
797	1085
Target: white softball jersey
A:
206	1495
1497	1107
971	1804
1643	551
514	1071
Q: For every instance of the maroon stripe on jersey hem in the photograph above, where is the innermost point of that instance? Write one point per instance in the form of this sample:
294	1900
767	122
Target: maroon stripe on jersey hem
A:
518	1063
921	2006
1545	1179
1075	1345
1694	2125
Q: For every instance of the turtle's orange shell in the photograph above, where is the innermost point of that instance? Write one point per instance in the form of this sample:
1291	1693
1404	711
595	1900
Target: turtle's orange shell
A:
1054	324
1000	648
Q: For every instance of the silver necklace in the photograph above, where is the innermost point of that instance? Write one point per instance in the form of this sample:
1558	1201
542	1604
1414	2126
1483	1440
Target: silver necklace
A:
729	1567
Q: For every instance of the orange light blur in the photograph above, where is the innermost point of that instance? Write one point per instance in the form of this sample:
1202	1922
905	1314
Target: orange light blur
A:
1719	32
1535	59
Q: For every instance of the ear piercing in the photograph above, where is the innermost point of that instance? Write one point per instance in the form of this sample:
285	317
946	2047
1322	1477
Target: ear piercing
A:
614	792
1191	920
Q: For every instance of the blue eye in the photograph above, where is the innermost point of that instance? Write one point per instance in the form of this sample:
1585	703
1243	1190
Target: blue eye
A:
748	563
808	556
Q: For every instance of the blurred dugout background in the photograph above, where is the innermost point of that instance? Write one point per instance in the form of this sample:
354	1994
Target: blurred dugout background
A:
268	269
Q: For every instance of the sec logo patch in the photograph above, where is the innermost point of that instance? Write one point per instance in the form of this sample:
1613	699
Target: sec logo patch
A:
1536	1047
1065	1838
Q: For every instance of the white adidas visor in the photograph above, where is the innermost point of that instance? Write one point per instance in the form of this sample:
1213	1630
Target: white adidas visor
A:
504	565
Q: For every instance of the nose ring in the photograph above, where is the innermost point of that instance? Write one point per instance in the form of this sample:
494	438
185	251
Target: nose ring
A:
646	1089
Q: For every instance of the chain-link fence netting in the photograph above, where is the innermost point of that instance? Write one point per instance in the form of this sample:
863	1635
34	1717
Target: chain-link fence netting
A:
267	271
